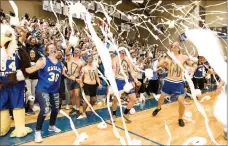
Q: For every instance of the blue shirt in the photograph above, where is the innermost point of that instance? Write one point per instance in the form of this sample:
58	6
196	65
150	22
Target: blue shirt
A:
155	76
12	64
41	50
49	77
107	45
33	32
199	73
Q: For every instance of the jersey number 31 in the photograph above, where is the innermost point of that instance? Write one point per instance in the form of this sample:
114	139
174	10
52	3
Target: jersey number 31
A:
54	77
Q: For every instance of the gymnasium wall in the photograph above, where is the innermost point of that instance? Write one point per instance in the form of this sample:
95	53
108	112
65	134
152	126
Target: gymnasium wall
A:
175	32
34	8
186	45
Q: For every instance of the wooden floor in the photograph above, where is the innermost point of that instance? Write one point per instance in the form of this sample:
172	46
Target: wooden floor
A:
33	118
149	127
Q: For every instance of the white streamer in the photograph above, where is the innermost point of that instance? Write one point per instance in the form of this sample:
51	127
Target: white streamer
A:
115	131
147	28
91	107
58	25
205	97
189	119
216	4
71	122
15	8
14	20
213	46
106	59
220	108
169	133
80	137
196	141
198	105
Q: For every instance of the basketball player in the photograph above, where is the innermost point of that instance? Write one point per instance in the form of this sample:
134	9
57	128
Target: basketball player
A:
90	79
49	77
120	80
74	66
174	84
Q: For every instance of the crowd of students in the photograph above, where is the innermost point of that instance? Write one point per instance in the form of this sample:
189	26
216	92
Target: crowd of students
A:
61	72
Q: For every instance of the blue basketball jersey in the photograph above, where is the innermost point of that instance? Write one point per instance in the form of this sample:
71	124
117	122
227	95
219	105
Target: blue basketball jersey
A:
49	77
12	64
200	71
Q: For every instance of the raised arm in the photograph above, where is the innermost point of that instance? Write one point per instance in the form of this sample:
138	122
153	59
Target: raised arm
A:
211	71
68	47
39	65
69	77
190	62
83	52
132	74
161	62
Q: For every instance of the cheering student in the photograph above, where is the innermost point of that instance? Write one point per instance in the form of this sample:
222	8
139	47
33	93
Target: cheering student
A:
120	81
90	79
74	66
49	70
174	84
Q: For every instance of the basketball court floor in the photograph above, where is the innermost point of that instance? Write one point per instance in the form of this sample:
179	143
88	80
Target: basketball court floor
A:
150	130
